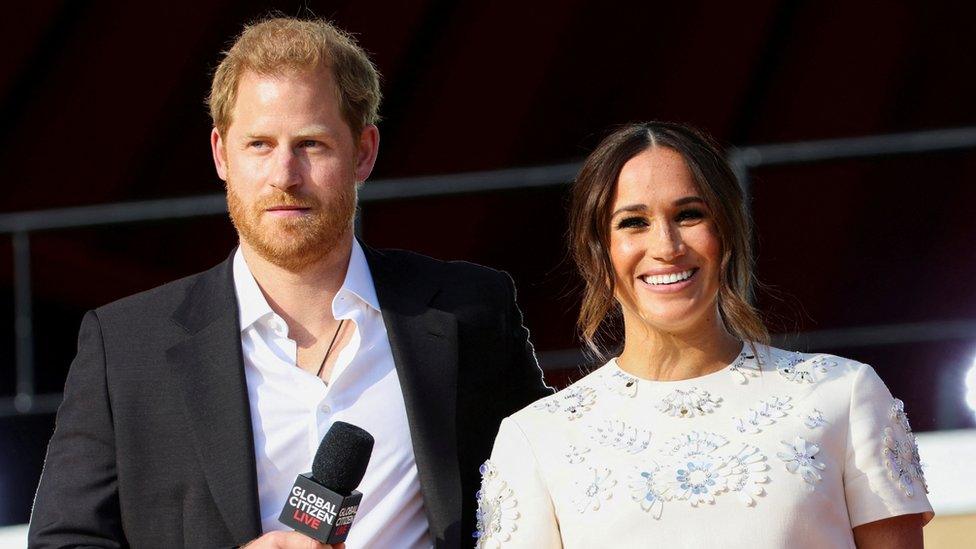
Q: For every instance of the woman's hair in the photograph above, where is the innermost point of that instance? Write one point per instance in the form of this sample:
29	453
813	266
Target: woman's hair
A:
592	199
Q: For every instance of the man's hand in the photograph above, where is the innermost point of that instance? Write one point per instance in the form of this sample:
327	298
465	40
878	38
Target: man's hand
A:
289	540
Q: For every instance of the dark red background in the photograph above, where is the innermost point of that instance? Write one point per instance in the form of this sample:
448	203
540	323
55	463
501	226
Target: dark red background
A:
103	102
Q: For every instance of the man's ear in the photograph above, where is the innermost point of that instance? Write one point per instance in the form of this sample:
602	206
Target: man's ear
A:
219	153
367	149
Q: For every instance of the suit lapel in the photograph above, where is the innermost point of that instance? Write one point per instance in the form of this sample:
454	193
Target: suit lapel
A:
210	370
425	351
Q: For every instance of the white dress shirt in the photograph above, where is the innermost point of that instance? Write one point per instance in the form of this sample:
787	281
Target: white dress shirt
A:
291	409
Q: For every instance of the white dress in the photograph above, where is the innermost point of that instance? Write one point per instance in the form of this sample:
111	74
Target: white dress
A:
781	449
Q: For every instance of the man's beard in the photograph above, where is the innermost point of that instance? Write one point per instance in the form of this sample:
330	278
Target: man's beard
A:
293	243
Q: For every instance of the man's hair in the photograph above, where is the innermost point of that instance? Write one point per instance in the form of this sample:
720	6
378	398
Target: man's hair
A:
276	46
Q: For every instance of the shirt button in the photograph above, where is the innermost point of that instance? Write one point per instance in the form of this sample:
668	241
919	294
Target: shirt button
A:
325	408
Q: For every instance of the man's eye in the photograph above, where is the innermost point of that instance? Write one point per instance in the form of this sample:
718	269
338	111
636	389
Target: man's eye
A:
308	144
631	222
257	144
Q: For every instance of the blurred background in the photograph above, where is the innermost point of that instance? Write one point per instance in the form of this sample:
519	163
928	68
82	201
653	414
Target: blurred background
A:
852	124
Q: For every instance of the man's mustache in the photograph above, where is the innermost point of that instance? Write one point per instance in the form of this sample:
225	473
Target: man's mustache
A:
284	200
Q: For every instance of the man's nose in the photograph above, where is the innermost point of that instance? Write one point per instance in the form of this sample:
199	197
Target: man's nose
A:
286	170
665	242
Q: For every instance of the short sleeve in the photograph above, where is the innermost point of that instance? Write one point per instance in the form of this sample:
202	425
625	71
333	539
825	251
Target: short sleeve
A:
514	506
882	475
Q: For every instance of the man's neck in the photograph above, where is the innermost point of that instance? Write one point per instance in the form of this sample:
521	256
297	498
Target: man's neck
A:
303	297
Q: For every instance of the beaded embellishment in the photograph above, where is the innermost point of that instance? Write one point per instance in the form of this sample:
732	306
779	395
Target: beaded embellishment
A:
497	516
593	489
797	370
574	402
901	456
688	403
647	489
801	459
621	436
746	365
814	419
621	383
765	413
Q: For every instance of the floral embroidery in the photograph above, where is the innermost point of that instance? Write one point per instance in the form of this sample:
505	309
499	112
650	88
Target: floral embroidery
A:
746	364
621	383
594	491
814	419
576	455
901	456
903	462
681	403
794	368
646	490
747	474
619	435
496	516
765	413
898	415
801	458
696	474
575	401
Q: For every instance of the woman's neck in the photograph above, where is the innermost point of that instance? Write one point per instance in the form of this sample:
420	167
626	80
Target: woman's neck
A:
651	353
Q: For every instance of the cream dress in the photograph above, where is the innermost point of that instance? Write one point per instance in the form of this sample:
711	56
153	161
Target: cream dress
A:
779	449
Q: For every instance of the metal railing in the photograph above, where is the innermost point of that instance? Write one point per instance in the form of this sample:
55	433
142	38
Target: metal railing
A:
20	225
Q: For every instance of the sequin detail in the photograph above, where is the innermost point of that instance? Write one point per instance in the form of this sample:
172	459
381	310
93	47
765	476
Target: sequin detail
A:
576	455
647	489
621	383
814	419
621	436
746	365
574	402
497	515
900	453
794	368
688	403
801	459
765	413
594	488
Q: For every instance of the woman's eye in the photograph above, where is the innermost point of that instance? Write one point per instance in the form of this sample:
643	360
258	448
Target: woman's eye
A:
690	215
631	222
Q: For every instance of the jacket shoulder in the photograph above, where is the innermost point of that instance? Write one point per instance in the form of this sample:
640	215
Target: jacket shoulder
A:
448	269
160	301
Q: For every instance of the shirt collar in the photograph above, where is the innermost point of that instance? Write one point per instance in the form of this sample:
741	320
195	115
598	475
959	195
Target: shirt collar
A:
252	306
359	281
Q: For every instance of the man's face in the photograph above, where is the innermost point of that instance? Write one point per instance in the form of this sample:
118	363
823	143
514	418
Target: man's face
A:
291	165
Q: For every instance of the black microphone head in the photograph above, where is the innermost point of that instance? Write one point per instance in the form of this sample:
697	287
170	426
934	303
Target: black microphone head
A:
343	455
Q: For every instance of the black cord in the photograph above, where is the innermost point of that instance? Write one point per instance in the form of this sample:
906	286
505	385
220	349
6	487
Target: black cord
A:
329	350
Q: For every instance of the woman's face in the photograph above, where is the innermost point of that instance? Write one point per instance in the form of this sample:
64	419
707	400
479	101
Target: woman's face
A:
664	247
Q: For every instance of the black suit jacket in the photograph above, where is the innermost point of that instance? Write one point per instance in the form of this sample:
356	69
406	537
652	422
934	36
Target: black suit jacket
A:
153	444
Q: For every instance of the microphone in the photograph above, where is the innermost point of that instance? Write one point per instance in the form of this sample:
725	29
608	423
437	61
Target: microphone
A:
323	503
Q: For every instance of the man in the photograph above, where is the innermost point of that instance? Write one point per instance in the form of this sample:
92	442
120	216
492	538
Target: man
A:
190	408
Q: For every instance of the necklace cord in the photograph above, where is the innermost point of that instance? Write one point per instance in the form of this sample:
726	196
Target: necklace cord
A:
328	351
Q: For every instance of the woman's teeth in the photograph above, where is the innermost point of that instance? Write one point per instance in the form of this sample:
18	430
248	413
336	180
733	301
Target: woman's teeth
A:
672	278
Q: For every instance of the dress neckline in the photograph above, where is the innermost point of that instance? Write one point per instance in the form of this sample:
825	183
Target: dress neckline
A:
744	357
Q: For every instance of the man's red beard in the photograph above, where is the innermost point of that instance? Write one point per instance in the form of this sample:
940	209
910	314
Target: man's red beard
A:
293	243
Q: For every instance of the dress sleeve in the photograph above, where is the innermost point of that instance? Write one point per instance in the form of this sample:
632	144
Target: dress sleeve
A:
882	474
514	506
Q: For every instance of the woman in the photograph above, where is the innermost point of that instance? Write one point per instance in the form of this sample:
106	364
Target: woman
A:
697	434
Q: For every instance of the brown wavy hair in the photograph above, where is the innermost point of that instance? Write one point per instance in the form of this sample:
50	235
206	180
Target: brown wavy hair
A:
592	199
